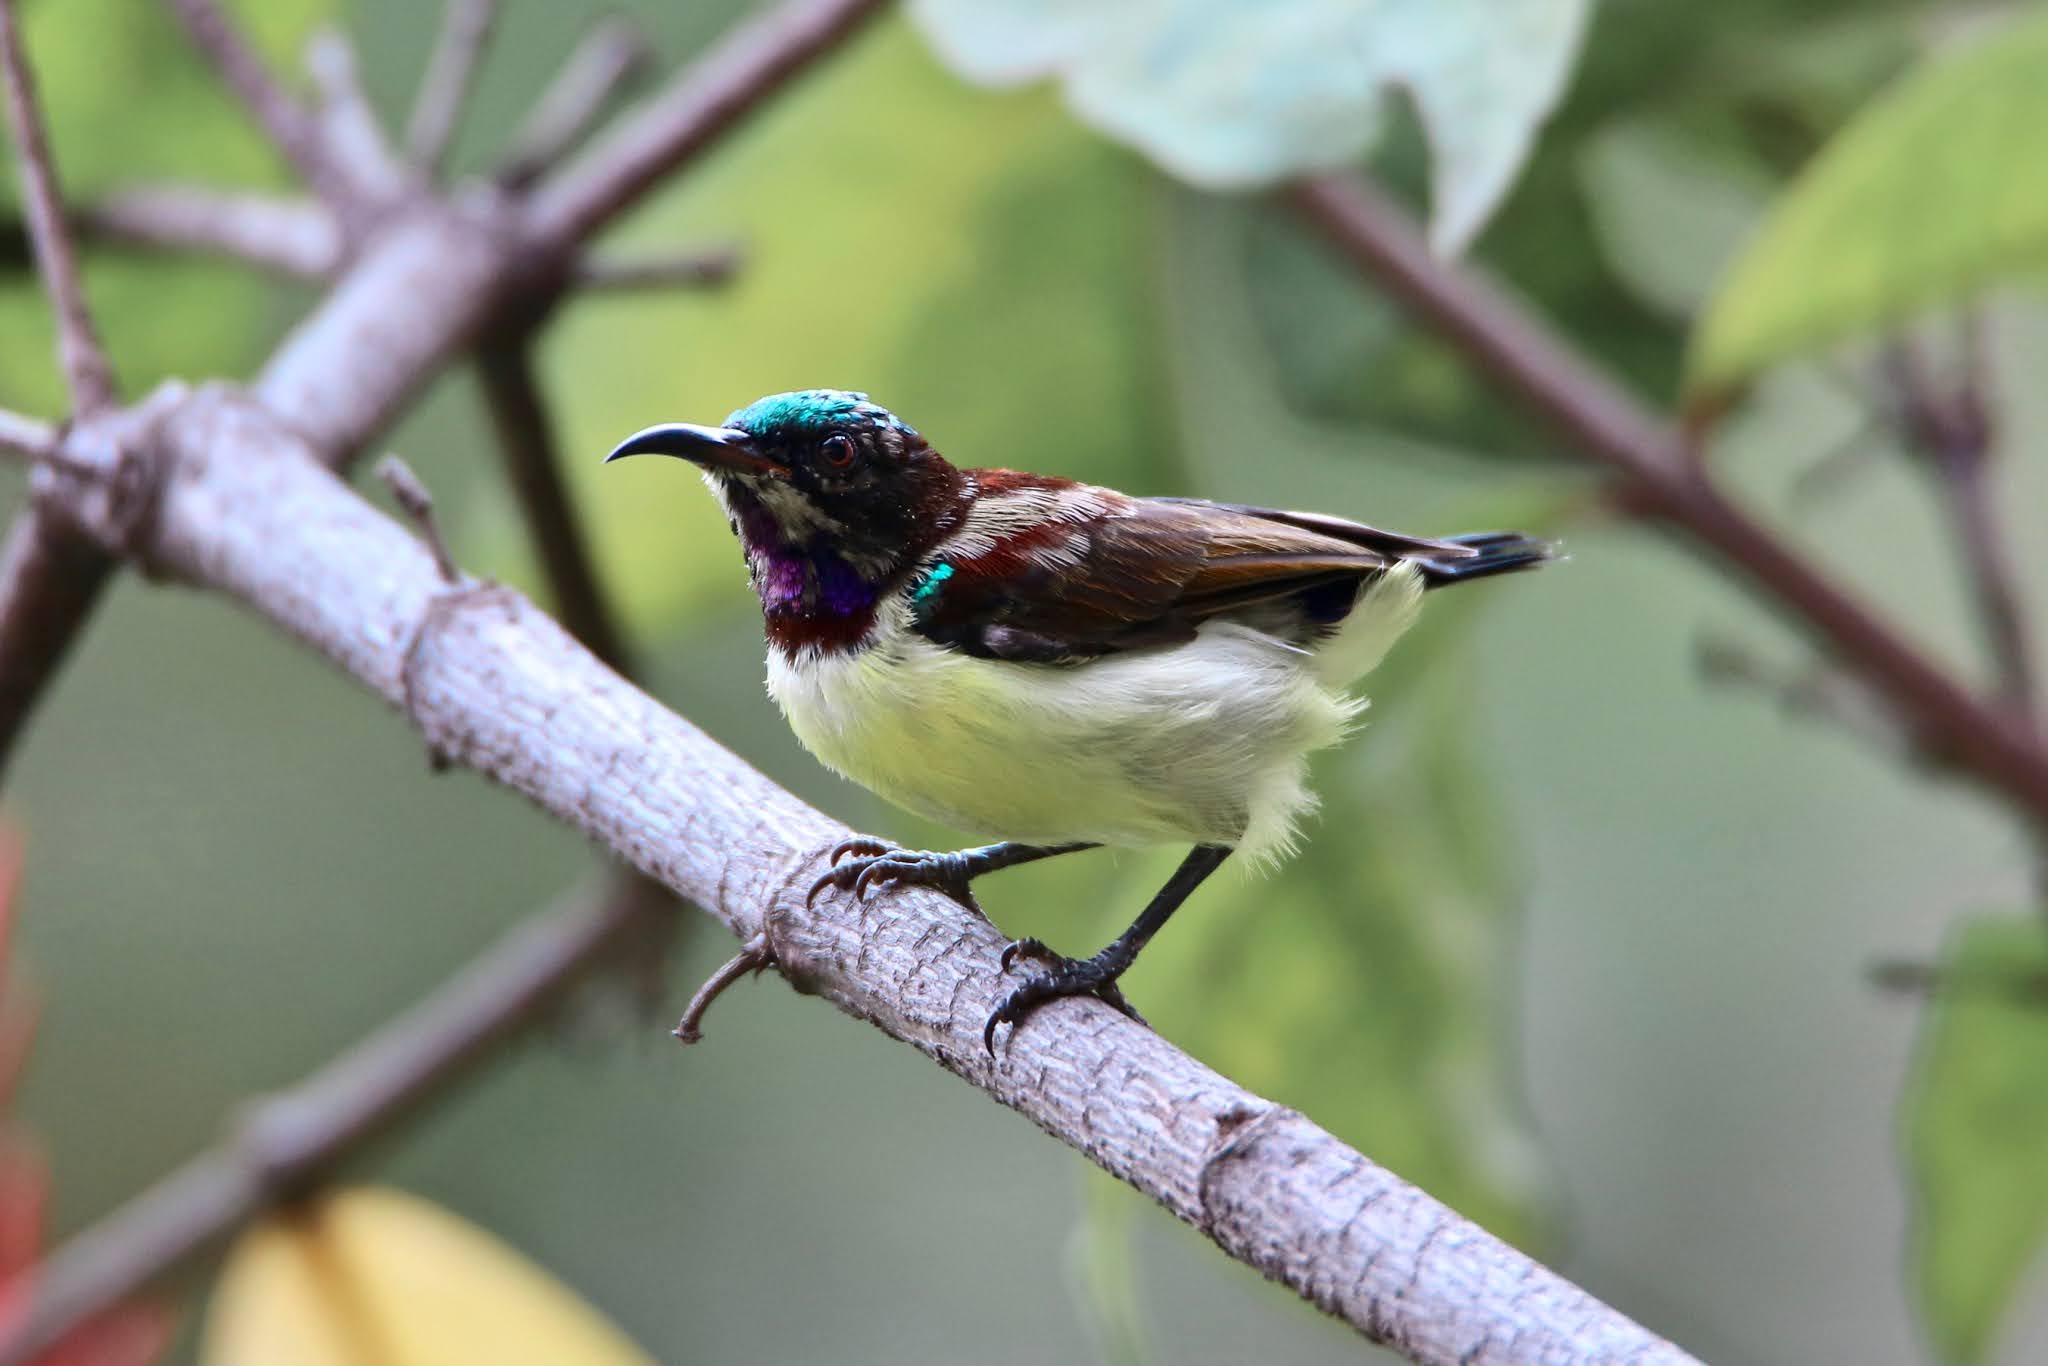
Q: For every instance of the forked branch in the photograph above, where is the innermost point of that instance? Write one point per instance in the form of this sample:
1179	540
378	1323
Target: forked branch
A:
1650	458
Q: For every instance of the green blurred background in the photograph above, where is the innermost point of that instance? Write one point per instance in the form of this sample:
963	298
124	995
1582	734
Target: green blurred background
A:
1579	942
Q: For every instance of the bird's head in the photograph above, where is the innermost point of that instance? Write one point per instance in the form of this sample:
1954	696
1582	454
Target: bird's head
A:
831	495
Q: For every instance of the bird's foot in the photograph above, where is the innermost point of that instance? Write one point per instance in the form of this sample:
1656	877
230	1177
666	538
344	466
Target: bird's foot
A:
1062	976
872	863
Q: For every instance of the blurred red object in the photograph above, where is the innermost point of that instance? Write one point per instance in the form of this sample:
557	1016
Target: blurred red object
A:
133	1335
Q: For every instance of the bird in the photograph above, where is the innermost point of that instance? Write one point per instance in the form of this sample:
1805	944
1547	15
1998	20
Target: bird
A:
1048	664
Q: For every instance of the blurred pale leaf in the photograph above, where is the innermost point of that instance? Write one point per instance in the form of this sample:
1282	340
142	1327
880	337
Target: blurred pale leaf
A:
1669	212
1103	1272
1229	95
376	1277
974	261
1924	199
1976	1131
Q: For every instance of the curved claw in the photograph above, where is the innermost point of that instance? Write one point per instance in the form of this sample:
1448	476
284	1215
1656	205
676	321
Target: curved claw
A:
876	868
1025	948
876	864
859	844
844	878
1067	977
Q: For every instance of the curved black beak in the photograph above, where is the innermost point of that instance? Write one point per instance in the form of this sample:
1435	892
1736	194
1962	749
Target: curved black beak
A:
715	448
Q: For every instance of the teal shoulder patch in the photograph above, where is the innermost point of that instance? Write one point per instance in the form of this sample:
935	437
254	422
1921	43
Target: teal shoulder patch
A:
928	585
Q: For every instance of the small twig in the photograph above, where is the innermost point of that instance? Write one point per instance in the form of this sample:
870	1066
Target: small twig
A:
608	59
348	125
290	126
725	84
292	1140
526	437
78	346
409	491
1818	692
26	438
1953	432
755	956
696	270
290	236
2027	988
444	89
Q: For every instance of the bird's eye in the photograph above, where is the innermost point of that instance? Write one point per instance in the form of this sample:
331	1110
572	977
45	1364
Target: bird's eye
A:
838	450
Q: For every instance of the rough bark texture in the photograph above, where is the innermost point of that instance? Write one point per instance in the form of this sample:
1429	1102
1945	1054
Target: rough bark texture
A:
237	491
493	683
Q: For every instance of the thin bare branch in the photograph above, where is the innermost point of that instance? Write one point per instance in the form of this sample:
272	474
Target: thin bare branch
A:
495	684
1817	692
526	436
288	1142
78	346
50	576
721	87
608	59
290	126
353	139
444	89
1531	360
696	270
289	236
1951	428
26	438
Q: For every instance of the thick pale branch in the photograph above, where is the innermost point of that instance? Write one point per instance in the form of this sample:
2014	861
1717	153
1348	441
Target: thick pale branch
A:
1507	342
496	685
719	88
607	60
290	1141
444	89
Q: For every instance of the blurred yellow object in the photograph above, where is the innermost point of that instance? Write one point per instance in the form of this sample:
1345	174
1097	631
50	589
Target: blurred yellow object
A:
376	1277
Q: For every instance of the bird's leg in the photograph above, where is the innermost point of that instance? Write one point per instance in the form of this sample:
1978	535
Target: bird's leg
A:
875	863
1097	976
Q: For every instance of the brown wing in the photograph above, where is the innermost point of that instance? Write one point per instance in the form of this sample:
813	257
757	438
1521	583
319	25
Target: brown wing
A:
1110	573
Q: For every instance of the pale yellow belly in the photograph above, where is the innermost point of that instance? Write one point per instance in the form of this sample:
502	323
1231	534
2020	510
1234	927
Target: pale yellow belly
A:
1200	743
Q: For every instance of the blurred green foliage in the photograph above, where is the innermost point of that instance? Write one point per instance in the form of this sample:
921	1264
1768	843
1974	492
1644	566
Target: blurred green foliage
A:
1924	200
1976	1131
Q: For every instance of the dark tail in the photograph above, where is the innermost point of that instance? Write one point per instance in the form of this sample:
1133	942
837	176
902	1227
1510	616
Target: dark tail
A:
1495	552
